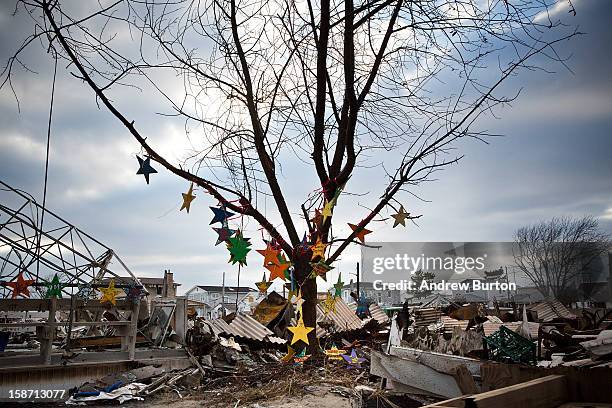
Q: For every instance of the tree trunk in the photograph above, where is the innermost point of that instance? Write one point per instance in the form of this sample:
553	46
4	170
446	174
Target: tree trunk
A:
301	272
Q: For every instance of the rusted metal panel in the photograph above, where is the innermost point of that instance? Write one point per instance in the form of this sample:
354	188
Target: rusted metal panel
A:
490	327
450	323
426	316
550	310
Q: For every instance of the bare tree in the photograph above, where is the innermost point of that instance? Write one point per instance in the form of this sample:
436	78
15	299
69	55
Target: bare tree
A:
553	254
418	278
341	85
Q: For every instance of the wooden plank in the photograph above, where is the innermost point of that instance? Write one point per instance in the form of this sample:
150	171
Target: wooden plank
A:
133	329
102	341
545	392
458	402
21	305
48	332
74	324
465	381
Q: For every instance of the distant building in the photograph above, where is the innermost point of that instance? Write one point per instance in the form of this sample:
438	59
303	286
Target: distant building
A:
382	297
213	296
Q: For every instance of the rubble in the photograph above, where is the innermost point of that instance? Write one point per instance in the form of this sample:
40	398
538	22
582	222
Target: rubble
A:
419	356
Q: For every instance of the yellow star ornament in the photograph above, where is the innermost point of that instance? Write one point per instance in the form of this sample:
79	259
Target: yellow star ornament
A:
318	249
328	209
289	356
300	332
334	353
188	197
400	217
110	294
329	304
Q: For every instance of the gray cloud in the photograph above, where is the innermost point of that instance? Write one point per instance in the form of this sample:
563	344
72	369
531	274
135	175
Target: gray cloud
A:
553	160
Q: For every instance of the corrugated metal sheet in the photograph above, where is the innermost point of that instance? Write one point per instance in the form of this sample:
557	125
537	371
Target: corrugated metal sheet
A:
378	314
550	310
450	323
426	316
246	327
219	326
343	317
490	328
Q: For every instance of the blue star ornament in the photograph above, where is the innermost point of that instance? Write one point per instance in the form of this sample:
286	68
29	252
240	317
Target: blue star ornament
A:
221	214
352	359
224	233
145	167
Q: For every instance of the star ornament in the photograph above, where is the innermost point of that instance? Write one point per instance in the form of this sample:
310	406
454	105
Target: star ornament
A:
110	293
299	302
316	220
20	286
338	286
188	197
400	217
300	358
320	269
221	215
328	209
352	359
134	291
54	288
264	285
334	353
239	247
270	255
318	249
289	356
278	270
85	292
145	167
223	234
360	233
300	332
329	304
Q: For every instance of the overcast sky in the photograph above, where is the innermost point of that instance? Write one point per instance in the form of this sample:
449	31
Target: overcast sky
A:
554	159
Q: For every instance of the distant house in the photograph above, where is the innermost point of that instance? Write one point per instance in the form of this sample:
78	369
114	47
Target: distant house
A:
213	296
527	295
382	297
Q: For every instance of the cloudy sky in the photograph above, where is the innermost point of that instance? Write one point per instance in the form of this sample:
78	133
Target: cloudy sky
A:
555	158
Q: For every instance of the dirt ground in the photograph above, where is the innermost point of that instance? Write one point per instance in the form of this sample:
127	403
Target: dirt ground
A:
320	397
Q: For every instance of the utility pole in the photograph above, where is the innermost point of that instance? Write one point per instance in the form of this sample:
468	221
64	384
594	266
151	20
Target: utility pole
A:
223	296
358	293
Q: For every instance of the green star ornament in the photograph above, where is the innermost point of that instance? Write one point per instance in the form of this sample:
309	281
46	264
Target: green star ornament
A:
238	247
54	288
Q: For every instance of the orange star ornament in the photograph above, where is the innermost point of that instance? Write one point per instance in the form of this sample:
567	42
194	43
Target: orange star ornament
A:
360	233
318	249
20	286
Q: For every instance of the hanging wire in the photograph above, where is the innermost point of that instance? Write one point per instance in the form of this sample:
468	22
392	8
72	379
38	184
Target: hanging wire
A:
44	200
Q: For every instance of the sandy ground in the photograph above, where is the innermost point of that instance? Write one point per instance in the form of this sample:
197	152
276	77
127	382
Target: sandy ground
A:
315	397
